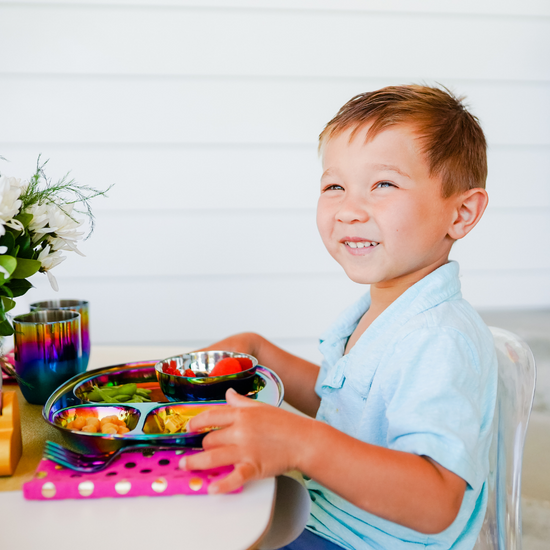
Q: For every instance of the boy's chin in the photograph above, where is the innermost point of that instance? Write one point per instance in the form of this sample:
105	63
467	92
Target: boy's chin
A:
360	277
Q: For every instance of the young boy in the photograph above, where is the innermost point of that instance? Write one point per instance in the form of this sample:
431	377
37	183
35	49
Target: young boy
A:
397	455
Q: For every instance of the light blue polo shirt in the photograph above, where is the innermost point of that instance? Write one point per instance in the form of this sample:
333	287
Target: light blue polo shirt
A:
421	379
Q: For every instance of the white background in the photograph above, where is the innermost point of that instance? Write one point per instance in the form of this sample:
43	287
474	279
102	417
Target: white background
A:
206	115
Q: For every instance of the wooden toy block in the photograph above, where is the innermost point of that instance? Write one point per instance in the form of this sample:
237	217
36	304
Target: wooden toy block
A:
10	434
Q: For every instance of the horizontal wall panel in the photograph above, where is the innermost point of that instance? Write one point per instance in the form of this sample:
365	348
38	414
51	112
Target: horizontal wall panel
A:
483	7
175	177
202	242
519	177
236	110
173	243
507	289
205	309
166	41
194	311
507	239
242	176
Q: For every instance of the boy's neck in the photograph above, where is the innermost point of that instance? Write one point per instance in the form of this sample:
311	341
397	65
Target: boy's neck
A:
383	294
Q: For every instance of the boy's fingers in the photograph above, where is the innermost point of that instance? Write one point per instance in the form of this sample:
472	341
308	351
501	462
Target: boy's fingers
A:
213	458
218	438
237	478
236	400
218	416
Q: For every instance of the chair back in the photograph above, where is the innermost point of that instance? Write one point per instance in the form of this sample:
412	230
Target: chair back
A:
501	528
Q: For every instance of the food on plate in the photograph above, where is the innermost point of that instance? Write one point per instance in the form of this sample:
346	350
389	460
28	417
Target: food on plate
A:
125	393
171	422
226	366
246	362
171	368
92	424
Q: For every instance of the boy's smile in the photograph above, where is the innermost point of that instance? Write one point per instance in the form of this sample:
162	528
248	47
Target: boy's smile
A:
380	214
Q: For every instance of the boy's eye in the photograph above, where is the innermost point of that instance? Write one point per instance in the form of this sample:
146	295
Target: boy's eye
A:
383	184
333	187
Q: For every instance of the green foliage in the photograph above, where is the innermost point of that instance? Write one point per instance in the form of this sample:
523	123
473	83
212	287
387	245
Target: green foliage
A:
5	328
25	268
15	287
9	263
7	303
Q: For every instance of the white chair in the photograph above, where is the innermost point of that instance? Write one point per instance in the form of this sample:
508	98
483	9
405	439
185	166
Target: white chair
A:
516	389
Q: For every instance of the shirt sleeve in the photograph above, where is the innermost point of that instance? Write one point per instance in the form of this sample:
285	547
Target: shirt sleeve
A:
435	396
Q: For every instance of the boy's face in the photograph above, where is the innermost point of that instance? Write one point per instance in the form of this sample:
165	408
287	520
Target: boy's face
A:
380	214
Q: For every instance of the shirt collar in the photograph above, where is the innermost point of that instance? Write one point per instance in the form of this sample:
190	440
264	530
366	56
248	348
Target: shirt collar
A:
437	287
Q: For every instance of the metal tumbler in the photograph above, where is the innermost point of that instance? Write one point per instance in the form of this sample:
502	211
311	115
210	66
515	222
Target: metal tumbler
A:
47	351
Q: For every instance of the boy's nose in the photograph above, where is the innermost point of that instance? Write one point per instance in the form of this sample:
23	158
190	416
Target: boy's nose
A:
352	210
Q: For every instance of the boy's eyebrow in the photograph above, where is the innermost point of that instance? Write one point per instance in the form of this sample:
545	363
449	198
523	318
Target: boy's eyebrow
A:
327	172
390	167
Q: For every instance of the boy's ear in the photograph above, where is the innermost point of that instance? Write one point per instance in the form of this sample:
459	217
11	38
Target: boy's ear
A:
470	206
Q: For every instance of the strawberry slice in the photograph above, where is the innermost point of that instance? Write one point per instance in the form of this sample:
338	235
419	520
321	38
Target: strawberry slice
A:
245	362
226	366
189	373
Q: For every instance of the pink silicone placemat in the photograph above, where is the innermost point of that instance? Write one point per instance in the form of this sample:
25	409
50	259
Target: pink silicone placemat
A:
133	474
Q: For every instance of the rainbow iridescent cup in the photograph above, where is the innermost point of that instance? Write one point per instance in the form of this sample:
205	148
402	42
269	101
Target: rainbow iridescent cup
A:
83	308
47	351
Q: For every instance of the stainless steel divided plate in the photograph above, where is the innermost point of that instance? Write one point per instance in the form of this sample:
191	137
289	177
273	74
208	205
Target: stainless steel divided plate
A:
151	422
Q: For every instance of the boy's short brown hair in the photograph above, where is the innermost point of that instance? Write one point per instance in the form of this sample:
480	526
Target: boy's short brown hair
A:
452	139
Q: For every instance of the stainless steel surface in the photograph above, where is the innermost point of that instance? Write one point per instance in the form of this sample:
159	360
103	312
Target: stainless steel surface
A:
66	397
204	386
90	463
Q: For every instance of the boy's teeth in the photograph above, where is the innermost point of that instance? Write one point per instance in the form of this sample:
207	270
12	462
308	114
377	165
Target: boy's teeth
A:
360	244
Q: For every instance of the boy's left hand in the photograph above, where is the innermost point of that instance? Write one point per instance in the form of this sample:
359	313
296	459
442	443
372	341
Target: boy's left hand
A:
258	439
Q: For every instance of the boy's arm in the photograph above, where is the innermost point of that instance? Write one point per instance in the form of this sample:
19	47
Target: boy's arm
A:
298	375
263	441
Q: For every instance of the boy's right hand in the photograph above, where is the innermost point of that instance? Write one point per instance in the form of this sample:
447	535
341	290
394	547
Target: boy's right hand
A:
258	439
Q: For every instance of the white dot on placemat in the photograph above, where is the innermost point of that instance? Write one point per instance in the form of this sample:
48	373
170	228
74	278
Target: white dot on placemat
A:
195	483
159	485
86	488
48	490
123	487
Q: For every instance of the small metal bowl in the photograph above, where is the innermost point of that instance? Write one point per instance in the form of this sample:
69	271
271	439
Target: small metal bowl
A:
204	387
91	442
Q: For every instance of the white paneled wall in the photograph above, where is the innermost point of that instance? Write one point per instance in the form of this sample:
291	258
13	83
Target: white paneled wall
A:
205	115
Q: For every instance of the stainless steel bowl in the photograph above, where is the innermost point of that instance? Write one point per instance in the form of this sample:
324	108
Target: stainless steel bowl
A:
204	387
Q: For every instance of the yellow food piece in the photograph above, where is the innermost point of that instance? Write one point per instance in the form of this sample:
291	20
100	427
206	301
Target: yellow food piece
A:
79	422
108	426
122	430
109	429
91	421
112	419
90	429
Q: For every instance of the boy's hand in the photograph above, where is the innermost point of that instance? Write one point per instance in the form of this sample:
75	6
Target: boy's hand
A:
258	439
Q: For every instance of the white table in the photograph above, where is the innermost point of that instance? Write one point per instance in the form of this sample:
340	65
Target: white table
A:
197	522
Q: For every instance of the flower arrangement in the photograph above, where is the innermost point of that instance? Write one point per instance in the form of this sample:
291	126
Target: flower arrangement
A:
37	226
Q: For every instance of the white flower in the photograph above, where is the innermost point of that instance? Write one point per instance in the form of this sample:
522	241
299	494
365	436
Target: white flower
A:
37	227
10	191
49	261
50	218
